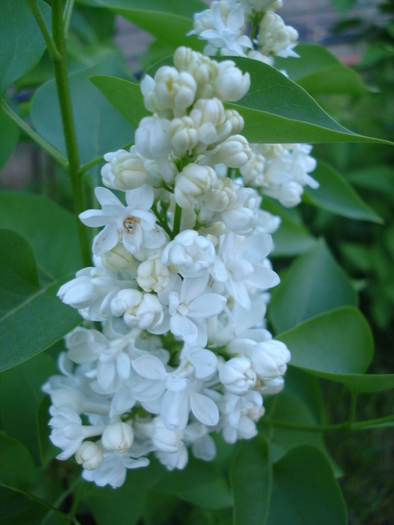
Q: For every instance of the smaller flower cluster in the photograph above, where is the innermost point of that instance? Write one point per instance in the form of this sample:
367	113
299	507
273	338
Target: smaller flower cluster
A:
224	24
179	284
280	171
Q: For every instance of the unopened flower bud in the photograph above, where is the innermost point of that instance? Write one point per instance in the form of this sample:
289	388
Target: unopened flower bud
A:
152	275
233	152
237	375
125	170
118	259
89	455
231	84
269	359
194	180
118	436
152	138
184	136
175	89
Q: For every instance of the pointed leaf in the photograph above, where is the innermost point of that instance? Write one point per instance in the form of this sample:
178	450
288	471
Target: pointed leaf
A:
337	196
22	43
313	284
31	318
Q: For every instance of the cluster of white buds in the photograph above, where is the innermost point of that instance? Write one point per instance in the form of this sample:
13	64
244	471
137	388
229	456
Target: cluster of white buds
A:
279	171
179	284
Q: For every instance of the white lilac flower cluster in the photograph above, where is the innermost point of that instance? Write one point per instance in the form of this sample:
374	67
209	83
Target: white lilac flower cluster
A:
280	171
179	286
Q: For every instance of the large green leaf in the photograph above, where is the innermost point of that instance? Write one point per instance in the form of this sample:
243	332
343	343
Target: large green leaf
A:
9	136
338	346
116	507
201	483
275	109
19	412
313	284
337	196
17	470
321	73
50	229
124	96
290	408
31	318
299	489
21	41
99	127
168	21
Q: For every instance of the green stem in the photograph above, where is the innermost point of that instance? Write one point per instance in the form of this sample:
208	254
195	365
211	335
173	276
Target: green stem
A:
70	135
53	152
85	167
162	223
67	15
177	221
60	500
353	404
52	49
359	425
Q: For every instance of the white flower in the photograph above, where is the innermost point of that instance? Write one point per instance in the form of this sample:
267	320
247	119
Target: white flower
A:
125	170
92	291
275	37
152	275
239	266
152	139
68	431
112	470
241	216
237	375
189	307
226	32
260	6
118	436
203	69
191	253
119	259
238	415
193	181
134	224
89	455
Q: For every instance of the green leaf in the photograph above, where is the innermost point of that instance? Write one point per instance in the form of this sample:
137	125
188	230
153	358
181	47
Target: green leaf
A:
19	413
201	483
17	470
338	346
168	21
45	224
299	489
31	318
289	408
9	136
313	284
116	507
321	73
276	109
124	96
99	128
379	179
337	196
292	238
21	41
